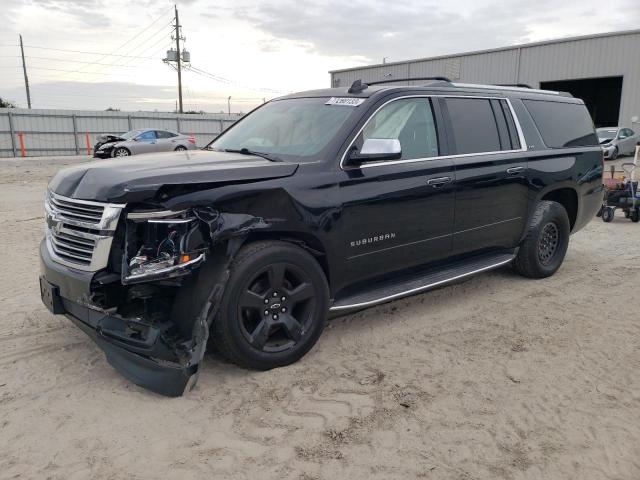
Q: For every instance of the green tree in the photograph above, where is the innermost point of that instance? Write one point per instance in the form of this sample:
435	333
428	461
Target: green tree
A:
6	104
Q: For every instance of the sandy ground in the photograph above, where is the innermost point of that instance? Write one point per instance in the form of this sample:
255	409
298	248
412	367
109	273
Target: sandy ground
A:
496	378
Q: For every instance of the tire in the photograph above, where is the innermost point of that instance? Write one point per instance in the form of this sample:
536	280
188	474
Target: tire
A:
121	152
545	244
180	148
614	154
635	216
607	214
274	306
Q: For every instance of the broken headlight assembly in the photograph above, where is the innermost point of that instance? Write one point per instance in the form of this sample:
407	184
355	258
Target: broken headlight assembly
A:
161	245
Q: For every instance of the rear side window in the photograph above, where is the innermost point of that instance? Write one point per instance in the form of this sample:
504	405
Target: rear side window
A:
475	129
562	124
165	134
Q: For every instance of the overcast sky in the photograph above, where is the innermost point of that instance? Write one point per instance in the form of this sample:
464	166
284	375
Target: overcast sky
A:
253	50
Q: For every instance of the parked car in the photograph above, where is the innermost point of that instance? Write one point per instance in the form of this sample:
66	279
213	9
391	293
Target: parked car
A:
141	141
617	141
320	202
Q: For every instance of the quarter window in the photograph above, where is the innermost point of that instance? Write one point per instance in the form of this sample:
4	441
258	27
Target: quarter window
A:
562	124
474	125
409	120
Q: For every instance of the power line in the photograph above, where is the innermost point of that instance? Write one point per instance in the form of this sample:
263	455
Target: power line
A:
220	79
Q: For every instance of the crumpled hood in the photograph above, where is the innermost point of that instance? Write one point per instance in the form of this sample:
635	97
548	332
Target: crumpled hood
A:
139	177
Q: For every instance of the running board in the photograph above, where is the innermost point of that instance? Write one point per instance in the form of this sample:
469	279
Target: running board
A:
419	282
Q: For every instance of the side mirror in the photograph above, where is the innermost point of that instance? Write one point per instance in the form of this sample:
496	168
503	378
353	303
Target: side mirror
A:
378	149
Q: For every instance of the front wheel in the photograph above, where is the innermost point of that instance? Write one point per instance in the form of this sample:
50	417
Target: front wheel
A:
274	306
614	154
545	245
180	148
121	152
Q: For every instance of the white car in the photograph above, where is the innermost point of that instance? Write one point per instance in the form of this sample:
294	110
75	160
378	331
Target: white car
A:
142	141
617	141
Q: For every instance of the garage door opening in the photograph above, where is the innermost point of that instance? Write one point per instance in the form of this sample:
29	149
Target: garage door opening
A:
601	95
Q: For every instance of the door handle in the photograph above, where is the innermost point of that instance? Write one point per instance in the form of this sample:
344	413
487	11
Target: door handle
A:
438	182
514	170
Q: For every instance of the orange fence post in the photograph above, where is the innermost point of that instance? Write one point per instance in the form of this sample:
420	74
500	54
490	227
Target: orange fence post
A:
21	138
86	137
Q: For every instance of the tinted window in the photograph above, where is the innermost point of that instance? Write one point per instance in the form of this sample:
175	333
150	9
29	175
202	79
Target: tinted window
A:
150	135
562	124
165	134
409	120
474	126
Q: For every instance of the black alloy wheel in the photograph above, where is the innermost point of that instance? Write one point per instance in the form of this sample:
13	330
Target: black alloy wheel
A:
548	243
544	247
274	306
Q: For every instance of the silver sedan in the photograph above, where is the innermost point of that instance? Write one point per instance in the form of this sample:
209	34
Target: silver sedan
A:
142	141
617	141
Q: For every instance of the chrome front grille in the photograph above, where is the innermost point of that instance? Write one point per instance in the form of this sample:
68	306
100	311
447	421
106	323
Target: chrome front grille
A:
80	232
69	210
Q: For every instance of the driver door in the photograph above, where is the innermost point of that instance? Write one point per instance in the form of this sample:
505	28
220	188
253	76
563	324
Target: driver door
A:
145	142
398	214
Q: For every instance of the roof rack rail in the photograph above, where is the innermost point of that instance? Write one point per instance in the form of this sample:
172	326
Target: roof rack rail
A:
519	85
396	80
357	87
513	89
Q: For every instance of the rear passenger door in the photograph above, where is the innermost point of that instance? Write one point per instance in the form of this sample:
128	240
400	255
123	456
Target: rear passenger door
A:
491	174
166	140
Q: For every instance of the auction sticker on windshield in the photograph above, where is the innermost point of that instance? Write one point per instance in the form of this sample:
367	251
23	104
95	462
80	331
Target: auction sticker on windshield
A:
345	102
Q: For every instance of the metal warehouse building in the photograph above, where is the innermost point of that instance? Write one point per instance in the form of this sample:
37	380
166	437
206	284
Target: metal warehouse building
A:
603	70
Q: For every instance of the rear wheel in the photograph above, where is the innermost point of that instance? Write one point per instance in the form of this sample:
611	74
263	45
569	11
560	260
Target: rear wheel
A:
180	148
274	307
545	244
121	152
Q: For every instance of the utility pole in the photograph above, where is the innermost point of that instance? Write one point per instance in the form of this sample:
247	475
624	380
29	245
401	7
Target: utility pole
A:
178	38
229	105
24	69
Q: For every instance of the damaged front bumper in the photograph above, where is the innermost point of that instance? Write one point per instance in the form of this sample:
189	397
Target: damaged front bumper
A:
139	351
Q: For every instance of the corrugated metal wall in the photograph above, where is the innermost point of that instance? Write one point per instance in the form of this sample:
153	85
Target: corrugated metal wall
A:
616	54
67	132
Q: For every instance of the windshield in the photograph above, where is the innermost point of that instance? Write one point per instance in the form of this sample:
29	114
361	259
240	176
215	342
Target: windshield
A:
131	134
606	133
297	127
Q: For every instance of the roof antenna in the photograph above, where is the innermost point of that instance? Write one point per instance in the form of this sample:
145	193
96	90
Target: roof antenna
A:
358	87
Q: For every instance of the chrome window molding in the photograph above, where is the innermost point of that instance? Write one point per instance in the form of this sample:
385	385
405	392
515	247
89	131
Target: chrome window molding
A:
87	249
523	145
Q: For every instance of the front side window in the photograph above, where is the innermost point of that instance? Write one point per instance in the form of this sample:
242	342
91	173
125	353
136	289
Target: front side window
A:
299	128
408	120
150	135
474	125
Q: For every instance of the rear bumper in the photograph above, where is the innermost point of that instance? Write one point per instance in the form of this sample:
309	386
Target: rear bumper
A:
135	350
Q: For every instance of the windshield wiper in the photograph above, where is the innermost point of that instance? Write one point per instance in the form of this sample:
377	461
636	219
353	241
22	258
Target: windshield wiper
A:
246	151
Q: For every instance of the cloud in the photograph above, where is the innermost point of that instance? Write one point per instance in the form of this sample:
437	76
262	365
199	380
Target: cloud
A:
410	29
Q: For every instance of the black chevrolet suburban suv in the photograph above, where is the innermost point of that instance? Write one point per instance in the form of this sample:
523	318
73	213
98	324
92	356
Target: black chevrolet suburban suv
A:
319	202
